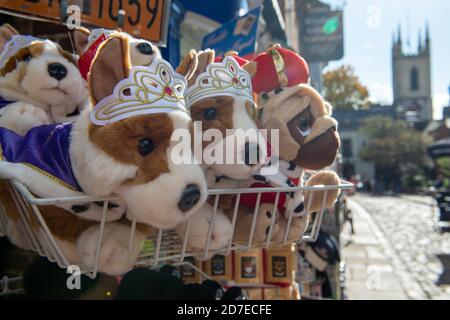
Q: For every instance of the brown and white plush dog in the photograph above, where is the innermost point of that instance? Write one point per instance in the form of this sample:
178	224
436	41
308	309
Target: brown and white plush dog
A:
220	98
142	52
39	81
121	146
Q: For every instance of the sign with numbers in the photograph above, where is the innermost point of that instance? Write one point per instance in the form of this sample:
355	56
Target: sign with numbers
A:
142	18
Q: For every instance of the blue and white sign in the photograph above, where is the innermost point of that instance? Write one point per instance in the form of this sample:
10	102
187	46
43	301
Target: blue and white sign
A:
239	34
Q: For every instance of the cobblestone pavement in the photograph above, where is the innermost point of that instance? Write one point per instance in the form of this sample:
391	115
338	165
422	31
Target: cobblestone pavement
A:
392	254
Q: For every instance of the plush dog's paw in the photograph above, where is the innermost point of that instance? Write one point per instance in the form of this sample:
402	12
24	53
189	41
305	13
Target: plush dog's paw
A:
21	117
199	227
322	198
296	230
265	220
115	258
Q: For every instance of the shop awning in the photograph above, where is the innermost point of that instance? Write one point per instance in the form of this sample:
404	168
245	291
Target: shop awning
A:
220	11
439	149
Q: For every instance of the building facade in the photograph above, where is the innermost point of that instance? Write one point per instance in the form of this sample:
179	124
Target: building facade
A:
353	139
411	79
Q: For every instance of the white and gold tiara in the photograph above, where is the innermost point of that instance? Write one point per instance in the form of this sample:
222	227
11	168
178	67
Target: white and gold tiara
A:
225	78
14	45
147	90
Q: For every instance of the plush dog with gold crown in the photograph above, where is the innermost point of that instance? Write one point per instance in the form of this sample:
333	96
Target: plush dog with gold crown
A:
307	140
39	82
120	146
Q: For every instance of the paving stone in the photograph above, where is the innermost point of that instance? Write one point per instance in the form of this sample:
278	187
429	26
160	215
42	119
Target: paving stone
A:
402	231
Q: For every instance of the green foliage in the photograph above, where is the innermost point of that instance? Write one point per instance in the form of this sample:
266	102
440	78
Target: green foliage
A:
393	146
343	89
443	165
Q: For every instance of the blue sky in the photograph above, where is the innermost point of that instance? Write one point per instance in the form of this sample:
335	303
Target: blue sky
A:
368	41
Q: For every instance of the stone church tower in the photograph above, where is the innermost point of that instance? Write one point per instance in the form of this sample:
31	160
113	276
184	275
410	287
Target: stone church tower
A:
412	79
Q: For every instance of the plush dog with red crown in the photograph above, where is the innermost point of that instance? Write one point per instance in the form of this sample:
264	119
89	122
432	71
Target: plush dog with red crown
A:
142	52
39	82
307	140
121	145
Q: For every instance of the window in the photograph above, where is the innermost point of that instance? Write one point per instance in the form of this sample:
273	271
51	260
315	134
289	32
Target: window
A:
347	151
414	79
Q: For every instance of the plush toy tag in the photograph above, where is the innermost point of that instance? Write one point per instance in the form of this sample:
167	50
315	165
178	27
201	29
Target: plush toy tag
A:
85	61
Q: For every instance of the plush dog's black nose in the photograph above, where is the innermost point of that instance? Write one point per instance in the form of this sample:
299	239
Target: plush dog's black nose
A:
251	154
189	198
57	71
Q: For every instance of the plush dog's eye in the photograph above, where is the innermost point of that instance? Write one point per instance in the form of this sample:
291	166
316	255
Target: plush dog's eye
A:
209	114
265	96
145	48
27	57
303	125
145	146
278	90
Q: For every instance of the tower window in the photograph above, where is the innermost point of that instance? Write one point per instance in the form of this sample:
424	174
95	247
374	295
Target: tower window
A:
414	79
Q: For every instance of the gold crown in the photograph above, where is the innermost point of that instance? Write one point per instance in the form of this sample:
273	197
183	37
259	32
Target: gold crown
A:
223	78
147	90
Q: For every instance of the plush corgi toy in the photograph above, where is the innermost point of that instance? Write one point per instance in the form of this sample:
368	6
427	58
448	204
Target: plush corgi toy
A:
142	52
39	82
220	100
307	140
122	146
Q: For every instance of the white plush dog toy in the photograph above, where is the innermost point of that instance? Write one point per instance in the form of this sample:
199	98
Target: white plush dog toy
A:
39	82
121	146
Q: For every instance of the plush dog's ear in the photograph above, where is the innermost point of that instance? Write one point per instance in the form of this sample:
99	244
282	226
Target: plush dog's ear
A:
250	67
204	59
189	64
6	33
319	107
81	37
111	64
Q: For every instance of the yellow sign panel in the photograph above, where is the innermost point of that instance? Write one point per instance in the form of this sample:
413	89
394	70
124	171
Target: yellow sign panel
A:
142	18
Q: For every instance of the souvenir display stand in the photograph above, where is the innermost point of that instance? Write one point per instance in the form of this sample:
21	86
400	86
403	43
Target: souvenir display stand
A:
164	245
116	132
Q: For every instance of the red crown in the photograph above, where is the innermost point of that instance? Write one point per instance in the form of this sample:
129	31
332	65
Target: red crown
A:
279	67
241	61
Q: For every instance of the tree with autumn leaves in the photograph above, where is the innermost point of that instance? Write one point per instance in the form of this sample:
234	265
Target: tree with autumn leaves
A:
343	89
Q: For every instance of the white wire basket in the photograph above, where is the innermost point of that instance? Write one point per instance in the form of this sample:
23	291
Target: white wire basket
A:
165	245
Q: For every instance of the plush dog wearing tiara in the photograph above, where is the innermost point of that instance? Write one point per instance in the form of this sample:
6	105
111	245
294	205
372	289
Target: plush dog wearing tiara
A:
39	82
122	146
220	98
